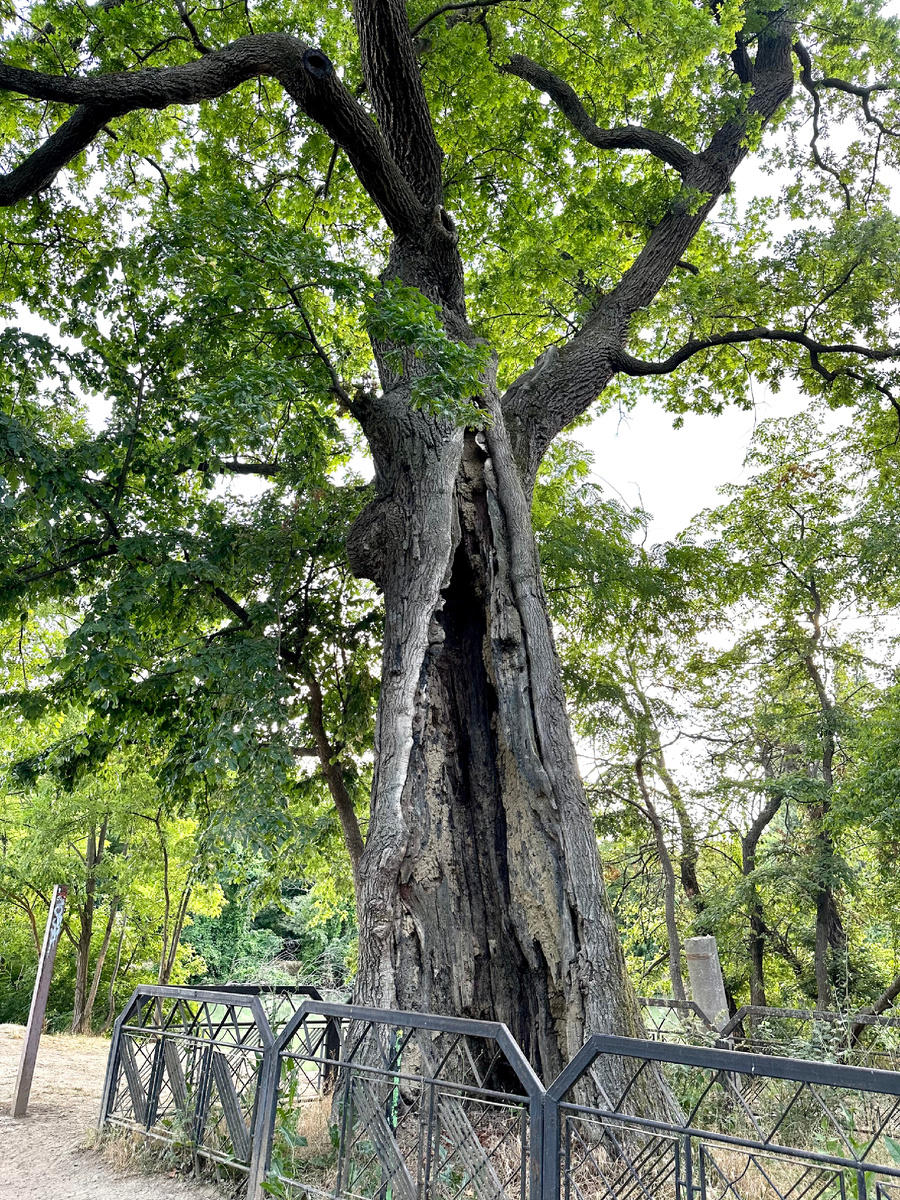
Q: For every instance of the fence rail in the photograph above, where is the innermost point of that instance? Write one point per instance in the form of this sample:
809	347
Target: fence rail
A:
861	1038
314	1099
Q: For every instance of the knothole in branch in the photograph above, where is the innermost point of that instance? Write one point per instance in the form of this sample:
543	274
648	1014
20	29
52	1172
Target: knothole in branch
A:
317	64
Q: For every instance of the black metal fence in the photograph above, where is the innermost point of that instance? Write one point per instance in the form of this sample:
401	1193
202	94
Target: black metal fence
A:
855	1039
742	1127
185	1066
362	1104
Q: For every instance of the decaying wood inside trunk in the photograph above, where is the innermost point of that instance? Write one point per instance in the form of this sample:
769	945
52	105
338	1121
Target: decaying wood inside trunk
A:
488	902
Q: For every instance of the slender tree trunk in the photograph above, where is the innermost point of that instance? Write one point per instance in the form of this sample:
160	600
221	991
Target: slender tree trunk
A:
668	873
756	940
111	1009
93	855
170	944
334	775
831	938
690	853
98	967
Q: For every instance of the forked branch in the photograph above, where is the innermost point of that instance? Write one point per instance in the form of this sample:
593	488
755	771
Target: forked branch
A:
865	93
305	72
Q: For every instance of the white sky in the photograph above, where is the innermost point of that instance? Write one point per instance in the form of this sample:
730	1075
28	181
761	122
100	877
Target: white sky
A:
675	473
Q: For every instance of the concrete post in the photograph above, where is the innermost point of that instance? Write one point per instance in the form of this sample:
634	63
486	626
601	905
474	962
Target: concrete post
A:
707	985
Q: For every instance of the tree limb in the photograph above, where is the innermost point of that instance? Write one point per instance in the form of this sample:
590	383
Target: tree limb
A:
807	80
468	5
233	467
39	169
881	1005
624	137
865	93
546	399
199	44
638	367
233	607
394	83
304	72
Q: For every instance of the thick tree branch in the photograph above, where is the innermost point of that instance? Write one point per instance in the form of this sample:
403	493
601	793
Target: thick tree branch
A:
394	83
881	1005
236	610
305	73
39	169
624	137
267	469
638	367
565	382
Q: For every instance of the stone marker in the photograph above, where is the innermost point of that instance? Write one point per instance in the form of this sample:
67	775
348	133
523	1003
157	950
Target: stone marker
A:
707	985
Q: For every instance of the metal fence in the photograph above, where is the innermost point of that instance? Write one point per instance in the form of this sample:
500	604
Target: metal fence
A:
364	1104
856	1039
743	1127
668	1020
401	1105
859	1039
185	1065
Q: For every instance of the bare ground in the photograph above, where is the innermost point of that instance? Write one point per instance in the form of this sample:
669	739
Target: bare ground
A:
44	1156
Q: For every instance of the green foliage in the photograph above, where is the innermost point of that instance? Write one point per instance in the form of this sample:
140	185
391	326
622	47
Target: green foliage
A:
754	673
449	373
208	283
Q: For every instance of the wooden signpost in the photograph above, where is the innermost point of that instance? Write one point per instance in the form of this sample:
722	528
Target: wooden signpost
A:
22	1090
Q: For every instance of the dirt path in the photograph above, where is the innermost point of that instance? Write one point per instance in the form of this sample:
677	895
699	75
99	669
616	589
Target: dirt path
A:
42	1155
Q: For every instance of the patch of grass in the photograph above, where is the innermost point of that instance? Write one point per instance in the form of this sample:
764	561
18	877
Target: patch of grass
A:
129	1152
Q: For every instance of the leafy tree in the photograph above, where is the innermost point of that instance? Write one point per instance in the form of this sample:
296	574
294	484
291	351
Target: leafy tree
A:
136	875
423	188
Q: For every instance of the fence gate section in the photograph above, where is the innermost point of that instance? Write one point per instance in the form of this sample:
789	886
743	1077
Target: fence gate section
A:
739	1127
185	1066
377	1105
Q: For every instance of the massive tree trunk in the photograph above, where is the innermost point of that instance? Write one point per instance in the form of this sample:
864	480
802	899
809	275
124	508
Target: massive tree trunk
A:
480	888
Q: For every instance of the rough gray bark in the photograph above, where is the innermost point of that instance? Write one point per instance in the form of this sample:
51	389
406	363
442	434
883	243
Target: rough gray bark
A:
487	898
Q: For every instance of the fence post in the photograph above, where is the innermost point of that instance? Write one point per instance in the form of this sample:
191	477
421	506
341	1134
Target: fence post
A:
22	1089
548	1183
264	1124
112	1062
